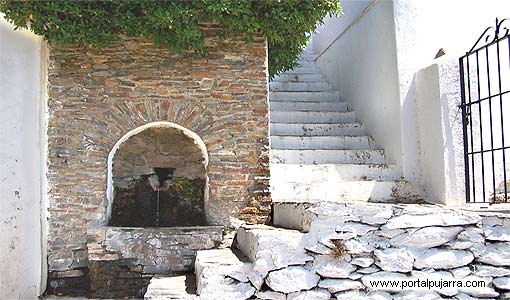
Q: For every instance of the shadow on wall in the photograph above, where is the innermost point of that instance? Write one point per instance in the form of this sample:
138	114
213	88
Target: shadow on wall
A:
429	133
432	133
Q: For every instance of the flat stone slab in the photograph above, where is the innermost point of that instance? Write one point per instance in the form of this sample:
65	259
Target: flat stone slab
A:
502	283
269	295
363	262
292	279
427	237
315	294
394	260
340	285
442	259
498	233
436	219
360	295
490	271
497	254
328	266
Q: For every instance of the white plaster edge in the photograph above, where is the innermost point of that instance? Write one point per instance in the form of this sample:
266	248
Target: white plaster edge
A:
43	188
160	124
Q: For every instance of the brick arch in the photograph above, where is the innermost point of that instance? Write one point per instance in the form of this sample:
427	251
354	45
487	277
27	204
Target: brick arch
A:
159	124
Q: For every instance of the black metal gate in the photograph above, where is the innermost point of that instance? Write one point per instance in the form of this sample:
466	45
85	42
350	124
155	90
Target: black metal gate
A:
485	104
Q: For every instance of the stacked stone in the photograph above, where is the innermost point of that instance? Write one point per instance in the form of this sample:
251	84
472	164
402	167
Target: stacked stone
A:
349	245
122	261
96	97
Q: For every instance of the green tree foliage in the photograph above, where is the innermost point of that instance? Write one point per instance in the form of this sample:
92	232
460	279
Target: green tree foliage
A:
285	23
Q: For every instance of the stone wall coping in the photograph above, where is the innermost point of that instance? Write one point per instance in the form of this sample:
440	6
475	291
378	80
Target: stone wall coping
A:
502	209
160	229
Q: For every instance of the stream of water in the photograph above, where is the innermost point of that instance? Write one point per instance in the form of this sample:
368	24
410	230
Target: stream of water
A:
157	208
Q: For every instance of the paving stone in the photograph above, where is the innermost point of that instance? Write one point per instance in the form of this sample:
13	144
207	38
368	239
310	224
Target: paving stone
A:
340	285
422	295
360	295
442	259
427	237
363	262
498	233
292	279
330	267
437	219
356	228
490	271
315	294
394	260
496	254
461	272
502	283
269	295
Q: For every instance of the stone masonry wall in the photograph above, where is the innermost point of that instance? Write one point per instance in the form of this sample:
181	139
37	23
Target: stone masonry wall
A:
95	97
348	246
123	260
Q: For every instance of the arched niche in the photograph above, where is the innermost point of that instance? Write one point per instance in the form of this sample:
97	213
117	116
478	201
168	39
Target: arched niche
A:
157	176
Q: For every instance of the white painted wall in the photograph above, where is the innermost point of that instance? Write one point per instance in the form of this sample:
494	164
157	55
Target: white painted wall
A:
326	34
421	29
22	152
361	63
381	56
439	139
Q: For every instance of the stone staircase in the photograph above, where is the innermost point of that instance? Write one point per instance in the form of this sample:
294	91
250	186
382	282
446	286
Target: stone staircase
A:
319	150
320	153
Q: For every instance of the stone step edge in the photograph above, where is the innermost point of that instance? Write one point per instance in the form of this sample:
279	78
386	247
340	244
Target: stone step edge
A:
324	136
309	111
311	92
386	166
310	101
320	124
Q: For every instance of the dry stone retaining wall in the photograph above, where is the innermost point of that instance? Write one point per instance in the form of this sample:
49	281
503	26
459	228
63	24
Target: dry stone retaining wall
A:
96	97
348	245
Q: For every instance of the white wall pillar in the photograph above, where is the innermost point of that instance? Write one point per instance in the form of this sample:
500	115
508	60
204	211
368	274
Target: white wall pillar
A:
22	163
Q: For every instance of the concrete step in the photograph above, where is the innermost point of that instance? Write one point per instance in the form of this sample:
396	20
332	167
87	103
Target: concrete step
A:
370	191
327	156
178	287
305	174
296	116
325	142
304	96
299	78
309	106
300	86
310	129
